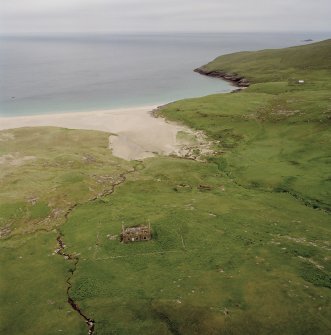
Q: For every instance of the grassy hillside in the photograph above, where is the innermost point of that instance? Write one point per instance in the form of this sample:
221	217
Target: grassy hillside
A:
306	61
274	136
241	242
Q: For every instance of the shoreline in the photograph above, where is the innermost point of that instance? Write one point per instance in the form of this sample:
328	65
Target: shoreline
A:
35	120
233	78
135	133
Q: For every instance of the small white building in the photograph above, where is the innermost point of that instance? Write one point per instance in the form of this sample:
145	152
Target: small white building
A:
301	81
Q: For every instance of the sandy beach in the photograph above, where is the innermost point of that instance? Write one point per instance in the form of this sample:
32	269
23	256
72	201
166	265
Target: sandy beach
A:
135	132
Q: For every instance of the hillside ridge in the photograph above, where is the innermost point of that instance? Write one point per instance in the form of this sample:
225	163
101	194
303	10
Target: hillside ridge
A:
273	64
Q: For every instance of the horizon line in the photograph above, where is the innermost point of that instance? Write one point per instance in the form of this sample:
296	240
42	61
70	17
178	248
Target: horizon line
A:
166	32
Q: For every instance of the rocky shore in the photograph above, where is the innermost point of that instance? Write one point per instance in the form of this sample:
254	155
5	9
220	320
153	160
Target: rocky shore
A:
233	78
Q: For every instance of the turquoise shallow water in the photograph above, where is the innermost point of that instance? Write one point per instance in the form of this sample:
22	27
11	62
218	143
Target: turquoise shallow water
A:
47	74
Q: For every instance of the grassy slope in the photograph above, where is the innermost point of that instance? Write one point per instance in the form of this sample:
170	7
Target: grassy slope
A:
66	167
275	134
251	255
228	250
278	64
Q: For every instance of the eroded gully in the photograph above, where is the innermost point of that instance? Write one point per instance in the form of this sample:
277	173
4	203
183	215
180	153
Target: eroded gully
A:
74	258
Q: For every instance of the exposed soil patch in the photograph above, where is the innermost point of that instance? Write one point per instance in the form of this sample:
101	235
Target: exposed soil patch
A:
15	159
4	137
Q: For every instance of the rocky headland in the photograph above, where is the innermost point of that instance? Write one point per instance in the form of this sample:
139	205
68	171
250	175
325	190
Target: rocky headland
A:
233	78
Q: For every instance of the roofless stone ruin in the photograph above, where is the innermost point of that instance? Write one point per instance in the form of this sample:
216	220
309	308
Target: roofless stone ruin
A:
136	234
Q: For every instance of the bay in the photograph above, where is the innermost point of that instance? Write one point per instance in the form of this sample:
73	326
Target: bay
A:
85	72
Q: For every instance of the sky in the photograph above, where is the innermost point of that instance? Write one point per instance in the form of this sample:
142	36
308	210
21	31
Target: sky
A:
44	16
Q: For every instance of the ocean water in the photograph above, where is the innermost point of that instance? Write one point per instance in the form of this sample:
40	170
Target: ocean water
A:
66	73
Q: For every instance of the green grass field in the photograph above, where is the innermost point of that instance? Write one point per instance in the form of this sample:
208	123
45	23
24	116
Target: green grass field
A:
249	254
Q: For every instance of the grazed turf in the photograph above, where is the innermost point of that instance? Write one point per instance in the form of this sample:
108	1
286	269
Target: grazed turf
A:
222	261
310	62
66	168
241	242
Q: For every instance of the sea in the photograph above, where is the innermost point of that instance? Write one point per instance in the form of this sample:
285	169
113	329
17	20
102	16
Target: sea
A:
88	72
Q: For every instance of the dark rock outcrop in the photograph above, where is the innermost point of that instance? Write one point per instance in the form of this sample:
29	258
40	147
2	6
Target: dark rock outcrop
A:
233	78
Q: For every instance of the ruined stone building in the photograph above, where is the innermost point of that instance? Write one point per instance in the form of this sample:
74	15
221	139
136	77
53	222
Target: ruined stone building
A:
136	234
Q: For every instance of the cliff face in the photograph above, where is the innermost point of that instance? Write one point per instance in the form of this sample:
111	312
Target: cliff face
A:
234	78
